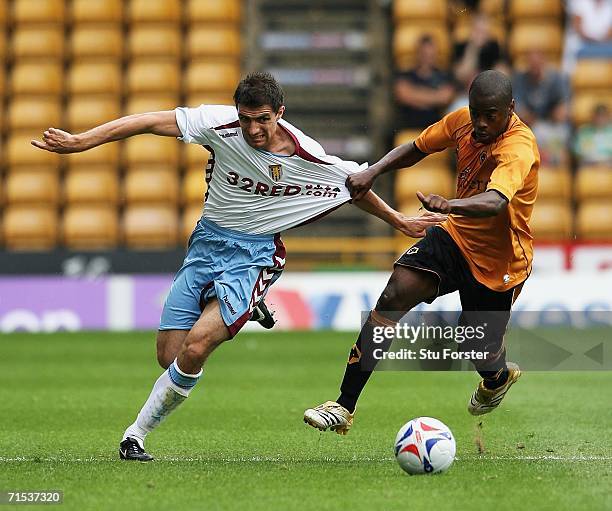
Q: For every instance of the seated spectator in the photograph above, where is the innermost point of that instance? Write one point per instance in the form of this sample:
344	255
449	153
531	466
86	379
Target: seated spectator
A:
542	95
589	31
423	92
479	52
593	144
541	92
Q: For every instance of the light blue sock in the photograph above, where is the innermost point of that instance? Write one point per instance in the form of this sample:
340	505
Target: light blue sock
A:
184	381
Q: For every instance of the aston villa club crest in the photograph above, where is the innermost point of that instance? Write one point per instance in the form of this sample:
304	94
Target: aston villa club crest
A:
276	172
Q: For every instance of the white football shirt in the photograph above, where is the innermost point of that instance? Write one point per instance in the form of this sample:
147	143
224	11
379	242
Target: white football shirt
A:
257	192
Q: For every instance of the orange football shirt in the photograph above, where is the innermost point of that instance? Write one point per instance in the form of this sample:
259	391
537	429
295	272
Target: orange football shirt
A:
498	249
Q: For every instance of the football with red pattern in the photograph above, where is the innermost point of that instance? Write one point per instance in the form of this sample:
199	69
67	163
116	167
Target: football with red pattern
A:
425	446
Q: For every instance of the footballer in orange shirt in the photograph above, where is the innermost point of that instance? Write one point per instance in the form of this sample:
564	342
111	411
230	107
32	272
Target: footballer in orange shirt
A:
483	249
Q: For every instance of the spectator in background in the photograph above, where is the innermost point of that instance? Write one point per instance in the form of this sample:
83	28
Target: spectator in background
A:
589	31
541	92
542	95
479	52
423	92
593	144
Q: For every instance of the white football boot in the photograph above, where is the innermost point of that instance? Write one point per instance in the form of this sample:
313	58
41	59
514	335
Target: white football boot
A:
329	415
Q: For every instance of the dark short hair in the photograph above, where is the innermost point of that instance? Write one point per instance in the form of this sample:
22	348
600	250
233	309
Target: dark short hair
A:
493	83
258	89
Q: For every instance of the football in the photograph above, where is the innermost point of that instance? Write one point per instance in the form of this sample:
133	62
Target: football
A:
424	446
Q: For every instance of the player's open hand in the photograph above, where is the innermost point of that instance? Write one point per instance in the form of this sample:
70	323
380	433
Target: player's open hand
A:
415	226
58	141
434	203
359	184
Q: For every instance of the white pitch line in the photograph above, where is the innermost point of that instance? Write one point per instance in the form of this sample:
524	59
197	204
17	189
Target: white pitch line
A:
254	459
541	458
267	459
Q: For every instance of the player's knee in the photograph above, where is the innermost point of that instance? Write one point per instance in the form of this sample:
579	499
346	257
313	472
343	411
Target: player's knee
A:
194	350
392	296
406	289
199	344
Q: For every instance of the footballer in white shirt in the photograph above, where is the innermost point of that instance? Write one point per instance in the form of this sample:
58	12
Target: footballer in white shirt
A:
264	176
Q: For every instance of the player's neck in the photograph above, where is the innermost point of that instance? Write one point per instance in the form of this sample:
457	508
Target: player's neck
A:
281	143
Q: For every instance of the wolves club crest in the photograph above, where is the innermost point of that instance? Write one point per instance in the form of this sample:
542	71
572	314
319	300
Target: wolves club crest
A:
276	172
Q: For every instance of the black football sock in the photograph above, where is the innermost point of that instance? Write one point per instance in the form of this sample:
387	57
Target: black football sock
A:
493	370
361	361
495	374
495	380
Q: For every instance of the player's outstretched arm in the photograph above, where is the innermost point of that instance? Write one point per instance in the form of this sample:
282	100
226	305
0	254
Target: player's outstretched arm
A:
489	203
410	226
157	123
403	156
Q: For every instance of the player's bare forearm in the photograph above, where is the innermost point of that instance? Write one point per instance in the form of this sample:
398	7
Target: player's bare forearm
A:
157	123
485	204
402	156
405	155
373	204
410	226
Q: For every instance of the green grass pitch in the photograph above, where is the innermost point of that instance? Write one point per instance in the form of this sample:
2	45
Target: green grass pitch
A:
239	441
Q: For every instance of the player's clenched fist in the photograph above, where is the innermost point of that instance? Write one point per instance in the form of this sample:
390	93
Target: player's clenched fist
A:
435	203
359	184
59	141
